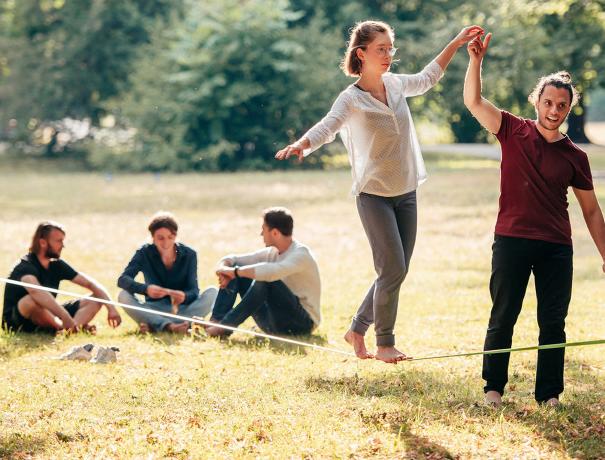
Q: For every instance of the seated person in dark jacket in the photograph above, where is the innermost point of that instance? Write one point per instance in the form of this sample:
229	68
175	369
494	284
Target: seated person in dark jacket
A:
170	272
29	309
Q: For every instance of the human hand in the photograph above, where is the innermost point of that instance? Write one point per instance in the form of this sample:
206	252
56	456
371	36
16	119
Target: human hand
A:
477	48
223	281
226	262
225	275
69	325
467	34
177	297
156	292
113	317
292	149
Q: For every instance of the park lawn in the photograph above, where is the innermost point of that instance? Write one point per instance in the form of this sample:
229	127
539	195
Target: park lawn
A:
175	397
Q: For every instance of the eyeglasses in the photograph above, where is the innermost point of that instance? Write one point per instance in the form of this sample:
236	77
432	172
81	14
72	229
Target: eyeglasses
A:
382	51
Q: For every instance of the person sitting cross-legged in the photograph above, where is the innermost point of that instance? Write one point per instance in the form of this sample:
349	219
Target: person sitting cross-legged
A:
170	272
29	309
279	285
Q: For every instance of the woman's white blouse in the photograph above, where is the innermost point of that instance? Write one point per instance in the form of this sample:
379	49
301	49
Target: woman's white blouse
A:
381	141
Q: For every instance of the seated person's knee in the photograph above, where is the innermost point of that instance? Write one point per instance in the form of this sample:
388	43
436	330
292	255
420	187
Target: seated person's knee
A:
90	305
26	306
124	297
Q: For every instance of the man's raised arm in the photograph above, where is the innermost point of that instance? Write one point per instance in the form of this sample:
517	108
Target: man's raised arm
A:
483	110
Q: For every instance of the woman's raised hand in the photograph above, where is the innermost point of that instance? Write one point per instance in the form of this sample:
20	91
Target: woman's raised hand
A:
469	33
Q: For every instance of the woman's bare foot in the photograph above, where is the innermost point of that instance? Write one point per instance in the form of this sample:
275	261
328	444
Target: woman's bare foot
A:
178	328
144	328
359	345
390	355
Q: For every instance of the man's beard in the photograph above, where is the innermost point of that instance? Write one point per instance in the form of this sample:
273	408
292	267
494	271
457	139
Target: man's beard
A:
546	127
50	254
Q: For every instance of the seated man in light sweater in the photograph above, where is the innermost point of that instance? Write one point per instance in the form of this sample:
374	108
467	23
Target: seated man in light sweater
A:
279	285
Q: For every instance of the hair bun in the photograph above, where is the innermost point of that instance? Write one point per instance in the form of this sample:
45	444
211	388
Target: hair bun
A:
565	76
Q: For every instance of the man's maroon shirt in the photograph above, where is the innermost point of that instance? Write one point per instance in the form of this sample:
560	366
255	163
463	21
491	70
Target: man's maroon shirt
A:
534	178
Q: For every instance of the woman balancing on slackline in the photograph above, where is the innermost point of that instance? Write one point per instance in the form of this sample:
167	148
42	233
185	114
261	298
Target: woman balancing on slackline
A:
376	127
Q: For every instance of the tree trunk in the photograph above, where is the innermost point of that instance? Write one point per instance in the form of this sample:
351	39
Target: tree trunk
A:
575	122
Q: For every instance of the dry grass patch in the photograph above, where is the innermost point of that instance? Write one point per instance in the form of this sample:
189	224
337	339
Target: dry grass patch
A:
171	397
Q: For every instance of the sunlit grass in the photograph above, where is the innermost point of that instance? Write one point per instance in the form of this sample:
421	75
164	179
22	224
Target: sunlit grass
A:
182	398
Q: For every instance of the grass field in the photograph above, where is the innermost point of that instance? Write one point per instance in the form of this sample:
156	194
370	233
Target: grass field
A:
174	397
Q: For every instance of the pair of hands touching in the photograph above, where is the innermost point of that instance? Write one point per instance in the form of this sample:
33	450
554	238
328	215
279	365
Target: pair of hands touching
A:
225	274
476	49
158	292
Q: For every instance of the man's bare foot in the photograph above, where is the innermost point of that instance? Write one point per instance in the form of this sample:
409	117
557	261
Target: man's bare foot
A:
493	399
178	328
195	328
358	343
553	402
390	355
144	328
210	320
215	331
90	328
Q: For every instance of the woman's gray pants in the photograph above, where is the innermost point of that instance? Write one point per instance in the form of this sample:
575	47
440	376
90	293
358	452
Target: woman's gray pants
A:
390	224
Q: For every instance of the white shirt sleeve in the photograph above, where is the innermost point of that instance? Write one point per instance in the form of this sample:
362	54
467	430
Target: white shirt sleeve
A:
250	258
419	83
325	130
275	271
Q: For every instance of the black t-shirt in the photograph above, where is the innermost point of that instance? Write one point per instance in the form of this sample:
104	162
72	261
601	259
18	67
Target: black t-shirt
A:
30	265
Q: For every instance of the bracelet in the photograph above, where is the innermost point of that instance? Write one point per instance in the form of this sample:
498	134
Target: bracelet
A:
235	271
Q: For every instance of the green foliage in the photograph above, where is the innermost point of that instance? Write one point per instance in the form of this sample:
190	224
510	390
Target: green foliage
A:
222	85
230	86
579	28
529	40
66	58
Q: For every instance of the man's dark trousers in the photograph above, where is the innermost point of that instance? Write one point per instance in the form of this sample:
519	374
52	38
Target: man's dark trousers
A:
273	306
513	259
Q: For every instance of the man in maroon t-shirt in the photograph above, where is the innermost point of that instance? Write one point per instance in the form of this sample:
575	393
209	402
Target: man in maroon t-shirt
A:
533	233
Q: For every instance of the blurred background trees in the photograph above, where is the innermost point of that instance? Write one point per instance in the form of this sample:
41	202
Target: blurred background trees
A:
164	85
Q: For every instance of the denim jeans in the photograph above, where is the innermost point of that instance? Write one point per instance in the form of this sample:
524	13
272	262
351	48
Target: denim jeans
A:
199	307
273	306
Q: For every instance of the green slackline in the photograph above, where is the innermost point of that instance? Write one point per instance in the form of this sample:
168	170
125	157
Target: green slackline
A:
511	350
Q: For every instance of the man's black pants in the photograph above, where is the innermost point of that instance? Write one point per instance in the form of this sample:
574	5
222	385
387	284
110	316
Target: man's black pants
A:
273	306
513	259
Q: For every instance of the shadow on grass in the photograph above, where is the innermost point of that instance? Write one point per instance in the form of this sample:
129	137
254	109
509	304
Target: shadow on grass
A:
13	344
276	346
576	427
399	387
241	341
162	338
17	445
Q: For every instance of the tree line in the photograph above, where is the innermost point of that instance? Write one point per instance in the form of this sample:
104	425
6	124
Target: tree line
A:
178	85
